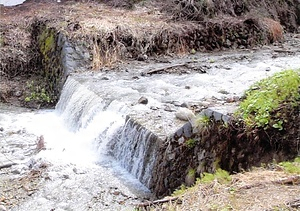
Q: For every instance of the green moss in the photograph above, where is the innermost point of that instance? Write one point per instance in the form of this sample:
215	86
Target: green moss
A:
292	167
47	43
266	96
191	172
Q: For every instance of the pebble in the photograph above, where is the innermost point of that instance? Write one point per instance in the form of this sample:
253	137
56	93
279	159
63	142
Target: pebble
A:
268	69
143	100
16	171
184	114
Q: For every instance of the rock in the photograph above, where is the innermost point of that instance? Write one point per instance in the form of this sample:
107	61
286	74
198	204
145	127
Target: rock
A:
105	78
184	105
142	57
169	108
190	179
1	129
228	43
2	208
18	93
184	114
268	69
15	171
143	100
154	108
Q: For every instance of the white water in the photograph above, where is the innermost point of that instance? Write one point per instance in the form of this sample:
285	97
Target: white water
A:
11	2
76	134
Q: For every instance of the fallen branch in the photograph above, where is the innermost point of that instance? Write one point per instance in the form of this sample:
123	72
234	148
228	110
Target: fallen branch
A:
160	201
293	180
295	203
283	51
7	165
159	69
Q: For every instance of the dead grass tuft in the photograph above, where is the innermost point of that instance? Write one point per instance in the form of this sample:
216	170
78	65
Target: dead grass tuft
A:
274	29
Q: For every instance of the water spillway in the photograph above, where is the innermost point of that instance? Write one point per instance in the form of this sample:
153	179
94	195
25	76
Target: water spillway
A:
106	106
103	120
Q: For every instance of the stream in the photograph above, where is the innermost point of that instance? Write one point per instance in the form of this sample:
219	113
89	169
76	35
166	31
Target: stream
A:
11	2
68	145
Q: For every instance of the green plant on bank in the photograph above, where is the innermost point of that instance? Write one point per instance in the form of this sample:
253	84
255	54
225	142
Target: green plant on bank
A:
220	175
37	93
181	190
291	167
266	96
203	121
191	143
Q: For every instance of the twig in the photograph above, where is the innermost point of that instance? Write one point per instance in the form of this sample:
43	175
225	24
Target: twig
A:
283	51
295	203
160	201
293	180
159	69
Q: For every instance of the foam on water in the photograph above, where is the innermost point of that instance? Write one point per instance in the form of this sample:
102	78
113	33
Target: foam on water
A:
11	2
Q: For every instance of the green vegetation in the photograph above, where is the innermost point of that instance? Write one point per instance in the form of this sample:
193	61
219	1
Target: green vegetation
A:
263	101
37	94
220	175
47	43
181	190
203	121
292	167
191	143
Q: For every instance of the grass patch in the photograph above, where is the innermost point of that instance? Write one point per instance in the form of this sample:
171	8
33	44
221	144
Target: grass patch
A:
291	167
191	143
220	175
264	98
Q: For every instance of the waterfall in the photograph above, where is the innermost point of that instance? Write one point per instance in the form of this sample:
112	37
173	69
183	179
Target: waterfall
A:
102	120
136	149
78	105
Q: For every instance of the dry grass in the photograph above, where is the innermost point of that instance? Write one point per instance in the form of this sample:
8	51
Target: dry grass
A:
260	189
274	29
112	34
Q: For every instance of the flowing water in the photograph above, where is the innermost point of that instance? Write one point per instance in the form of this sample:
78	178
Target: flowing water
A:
81	175
11	2
90	118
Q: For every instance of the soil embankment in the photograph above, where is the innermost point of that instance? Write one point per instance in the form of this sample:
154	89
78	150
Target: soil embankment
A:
31	34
